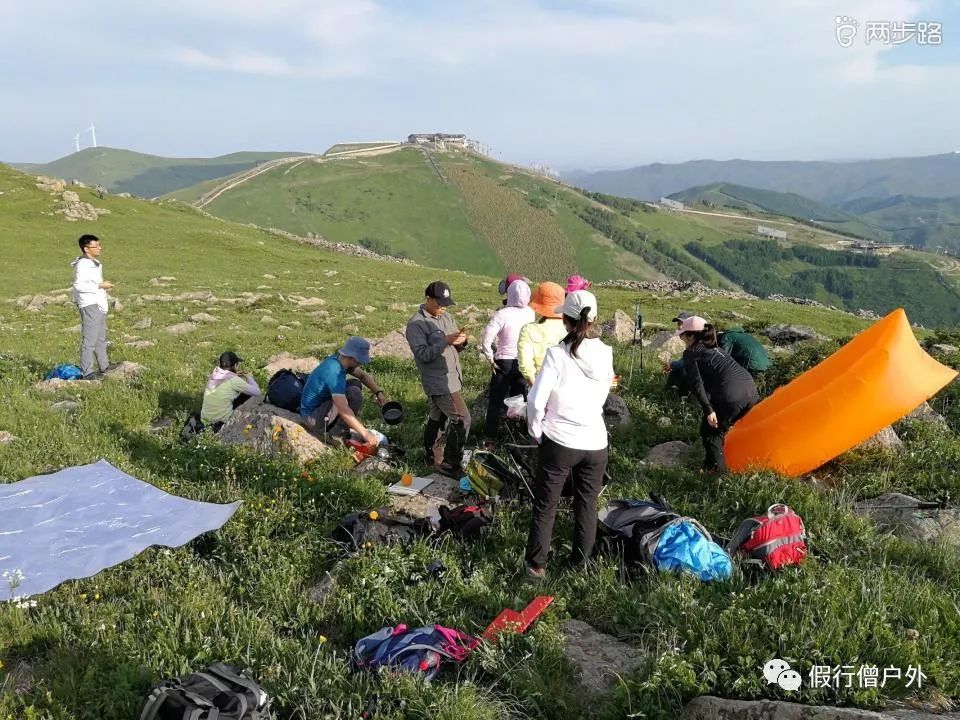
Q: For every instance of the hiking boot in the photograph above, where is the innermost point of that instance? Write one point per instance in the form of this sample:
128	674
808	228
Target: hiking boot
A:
533	574
111	366
96	375
450	470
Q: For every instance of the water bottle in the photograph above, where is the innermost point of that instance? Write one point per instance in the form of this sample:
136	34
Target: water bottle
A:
430	660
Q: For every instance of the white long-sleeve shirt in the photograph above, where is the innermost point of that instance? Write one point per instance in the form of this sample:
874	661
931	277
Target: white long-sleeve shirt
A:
566	400
87	276
505	325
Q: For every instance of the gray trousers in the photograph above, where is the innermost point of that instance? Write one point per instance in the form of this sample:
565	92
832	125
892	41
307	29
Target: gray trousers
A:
93	339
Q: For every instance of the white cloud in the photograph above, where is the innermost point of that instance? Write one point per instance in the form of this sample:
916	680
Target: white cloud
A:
254	63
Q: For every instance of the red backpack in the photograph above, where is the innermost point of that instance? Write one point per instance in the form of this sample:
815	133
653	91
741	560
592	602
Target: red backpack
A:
775	539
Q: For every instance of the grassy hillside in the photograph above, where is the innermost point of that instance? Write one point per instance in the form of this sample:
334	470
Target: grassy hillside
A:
146	175
791	205
458	211
921	221
828	182
91	649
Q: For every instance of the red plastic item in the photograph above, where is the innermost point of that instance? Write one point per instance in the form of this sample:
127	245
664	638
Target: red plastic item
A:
361	451
512	621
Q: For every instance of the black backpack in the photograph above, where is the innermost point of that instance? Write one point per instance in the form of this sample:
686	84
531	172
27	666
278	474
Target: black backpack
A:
466	522
221	692
285	388
632	527
363	530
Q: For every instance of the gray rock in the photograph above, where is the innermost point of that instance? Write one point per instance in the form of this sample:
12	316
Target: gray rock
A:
886	439
669	454
616	414
326	586
620	328
125	370
271	431
944	349
898	514
287	361
67	406
181	328
925	413
371	465
203	318
442	491
789	334
734	315
708	707
6	438
393	344
70	197
140	344
599	660
143	323
666	344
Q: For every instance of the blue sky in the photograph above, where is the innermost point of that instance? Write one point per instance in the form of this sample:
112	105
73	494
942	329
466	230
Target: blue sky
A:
592	83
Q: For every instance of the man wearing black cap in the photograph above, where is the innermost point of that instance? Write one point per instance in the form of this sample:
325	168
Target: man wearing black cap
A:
436	343
226	390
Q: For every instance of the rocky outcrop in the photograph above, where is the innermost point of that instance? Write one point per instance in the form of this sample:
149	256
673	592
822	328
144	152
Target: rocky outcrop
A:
599	661
286	361
393	344
901	515
707	707
886	439
669	454
616	414
789	334
272	431
620	328
666	345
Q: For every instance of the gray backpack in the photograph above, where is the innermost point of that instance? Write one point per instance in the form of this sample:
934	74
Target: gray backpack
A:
221	692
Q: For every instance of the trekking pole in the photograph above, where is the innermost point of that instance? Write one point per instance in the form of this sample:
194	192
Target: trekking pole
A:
637	328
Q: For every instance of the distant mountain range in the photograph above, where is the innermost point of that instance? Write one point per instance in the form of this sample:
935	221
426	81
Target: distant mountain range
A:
144	175
934	176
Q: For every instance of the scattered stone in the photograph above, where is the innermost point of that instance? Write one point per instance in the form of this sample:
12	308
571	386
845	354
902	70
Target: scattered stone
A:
323	589
886	439
330	273
708	707
398	307
269	320
67	406
54	384
140	344
125	370
599	661
272	431
442	491
143	323
468	310
69	196
616	414
35	303
7	438
393	344
925	413
160	424
664	421
181	328
371	465
944	349
486	284
898	514
620	328
48	184
306	301
163	281
247	299
369	309
669	454
197	297
203	318
75	329
268	276
295	323
667	345
74	210
734	315
287	361
781	350
789	334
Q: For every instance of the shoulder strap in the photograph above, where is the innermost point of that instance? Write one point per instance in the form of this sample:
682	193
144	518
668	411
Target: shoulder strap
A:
223	671
152	707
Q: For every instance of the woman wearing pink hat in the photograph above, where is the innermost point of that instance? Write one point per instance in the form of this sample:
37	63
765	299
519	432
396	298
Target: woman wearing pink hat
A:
577	282
725	390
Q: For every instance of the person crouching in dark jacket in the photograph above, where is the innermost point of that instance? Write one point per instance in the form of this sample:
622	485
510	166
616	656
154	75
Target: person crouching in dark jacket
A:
724	389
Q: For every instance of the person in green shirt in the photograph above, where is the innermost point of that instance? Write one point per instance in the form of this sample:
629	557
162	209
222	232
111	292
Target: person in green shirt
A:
226	390
745	349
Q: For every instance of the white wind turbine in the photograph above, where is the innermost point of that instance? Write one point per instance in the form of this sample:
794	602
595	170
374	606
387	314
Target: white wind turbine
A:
93	133
76	141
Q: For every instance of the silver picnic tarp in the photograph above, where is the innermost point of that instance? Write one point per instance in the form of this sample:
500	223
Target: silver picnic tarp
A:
76	522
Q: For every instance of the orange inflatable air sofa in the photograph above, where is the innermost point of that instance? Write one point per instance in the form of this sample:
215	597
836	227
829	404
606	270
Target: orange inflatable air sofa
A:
875	379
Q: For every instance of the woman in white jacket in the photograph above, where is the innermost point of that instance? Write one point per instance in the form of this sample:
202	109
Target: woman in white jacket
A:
565	416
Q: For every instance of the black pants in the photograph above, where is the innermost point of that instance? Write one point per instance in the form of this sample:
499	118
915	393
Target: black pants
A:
338	429
727	415
505	382
554	464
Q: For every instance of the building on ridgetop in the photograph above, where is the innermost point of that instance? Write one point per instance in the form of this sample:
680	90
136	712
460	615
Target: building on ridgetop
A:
671	204
442	141
772	233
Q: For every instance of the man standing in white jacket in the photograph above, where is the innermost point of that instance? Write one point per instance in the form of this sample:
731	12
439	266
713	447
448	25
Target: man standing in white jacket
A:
90	297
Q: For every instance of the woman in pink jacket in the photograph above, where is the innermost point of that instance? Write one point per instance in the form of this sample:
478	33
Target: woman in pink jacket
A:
503	330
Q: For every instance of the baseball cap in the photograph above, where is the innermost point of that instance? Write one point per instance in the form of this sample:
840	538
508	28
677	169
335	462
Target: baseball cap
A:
440	292
545	299
508	281
228	359
577	282
357	348
681	316
575	302
694	323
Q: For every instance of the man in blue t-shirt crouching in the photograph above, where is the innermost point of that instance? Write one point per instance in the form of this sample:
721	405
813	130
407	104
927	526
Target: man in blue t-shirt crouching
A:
330	404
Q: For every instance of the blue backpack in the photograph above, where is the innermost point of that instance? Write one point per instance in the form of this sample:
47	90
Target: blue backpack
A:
685	545
65	371
415	650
